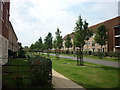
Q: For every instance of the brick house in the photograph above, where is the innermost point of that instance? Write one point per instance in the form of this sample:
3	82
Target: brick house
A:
113	43
4	30
13	40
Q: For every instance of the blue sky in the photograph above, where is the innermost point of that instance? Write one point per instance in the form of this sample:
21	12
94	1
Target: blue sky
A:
32	19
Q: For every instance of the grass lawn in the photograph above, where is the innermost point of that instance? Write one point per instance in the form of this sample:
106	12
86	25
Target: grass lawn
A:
9	79
96	57
104	58
88	76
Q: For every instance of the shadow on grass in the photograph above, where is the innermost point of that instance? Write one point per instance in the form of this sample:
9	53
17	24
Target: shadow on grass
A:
104	67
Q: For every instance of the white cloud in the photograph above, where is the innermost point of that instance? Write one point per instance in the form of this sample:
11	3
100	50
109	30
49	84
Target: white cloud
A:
34	18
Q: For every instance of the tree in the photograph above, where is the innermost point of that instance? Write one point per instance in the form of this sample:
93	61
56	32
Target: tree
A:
81	35
48	42
21	53
89	34
68	42
55	44
38	45
59	41
101	36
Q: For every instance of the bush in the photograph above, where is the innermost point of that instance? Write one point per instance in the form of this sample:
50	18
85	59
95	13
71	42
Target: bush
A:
100	54
95	53
114	54
41	70
10	53
21	53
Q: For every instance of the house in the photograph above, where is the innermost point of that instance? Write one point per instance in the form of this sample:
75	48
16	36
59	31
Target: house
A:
4	31
113	43
13	40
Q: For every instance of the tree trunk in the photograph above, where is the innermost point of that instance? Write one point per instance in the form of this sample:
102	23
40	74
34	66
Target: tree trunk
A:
87	48
48	52
74	52
81	56
101	53
57	54
68	51
77	57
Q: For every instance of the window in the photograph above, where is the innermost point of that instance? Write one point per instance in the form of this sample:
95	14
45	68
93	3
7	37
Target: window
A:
5	47
88	43
7	17
93	49
1	10
103	49
93	43
0	46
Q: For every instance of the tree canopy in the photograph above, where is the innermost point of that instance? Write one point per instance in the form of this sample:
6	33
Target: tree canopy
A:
68	42
59	40
82	33
101	35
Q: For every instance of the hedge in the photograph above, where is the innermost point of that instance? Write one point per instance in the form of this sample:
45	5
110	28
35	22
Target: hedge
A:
109	54
41	70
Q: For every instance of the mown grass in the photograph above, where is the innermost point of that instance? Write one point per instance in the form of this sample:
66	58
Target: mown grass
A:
103	58
9	79
90	75
95	57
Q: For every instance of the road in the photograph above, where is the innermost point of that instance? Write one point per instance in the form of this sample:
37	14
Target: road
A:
107	63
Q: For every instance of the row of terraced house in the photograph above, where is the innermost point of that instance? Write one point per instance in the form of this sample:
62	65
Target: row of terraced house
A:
8	38
113	43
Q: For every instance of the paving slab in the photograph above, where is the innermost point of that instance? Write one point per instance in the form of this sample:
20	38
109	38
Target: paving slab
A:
61	82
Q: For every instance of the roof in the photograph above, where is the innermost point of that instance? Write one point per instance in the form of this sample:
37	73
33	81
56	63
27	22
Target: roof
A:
93	27
117	19
13	29
71	36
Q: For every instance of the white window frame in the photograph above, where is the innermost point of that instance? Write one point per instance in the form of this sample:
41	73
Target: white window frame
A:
2	7
7	18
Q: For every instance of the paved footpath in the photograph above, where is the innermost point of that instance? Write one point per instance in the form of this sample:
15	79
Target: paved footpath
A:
61	82
102	62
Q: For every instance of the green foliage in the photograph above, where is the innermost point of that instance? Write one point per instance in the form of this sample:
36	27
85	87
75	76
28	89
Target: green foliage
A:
68	42
21	53
102	76
114	54
41	70
82	33
101	35
59	40
10	53
55	43
38	45
48	41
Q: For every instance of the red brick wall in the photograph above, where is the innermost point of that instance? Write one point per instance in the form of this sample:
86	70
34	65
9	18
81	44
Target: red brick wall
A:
0	19
5	29
109	24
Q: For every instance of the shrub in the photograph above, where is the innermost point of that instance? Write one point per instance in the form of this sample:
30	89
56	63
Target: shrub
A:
41	71
21	53
95	53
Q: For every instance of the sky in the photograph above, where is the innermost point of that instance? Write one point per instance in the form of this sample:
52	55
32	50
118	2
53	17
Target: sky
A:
32	19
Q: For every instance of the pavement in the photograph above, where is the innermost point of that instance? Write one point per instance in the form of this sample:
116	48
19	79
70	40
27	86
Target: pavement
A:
101	62
61	82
